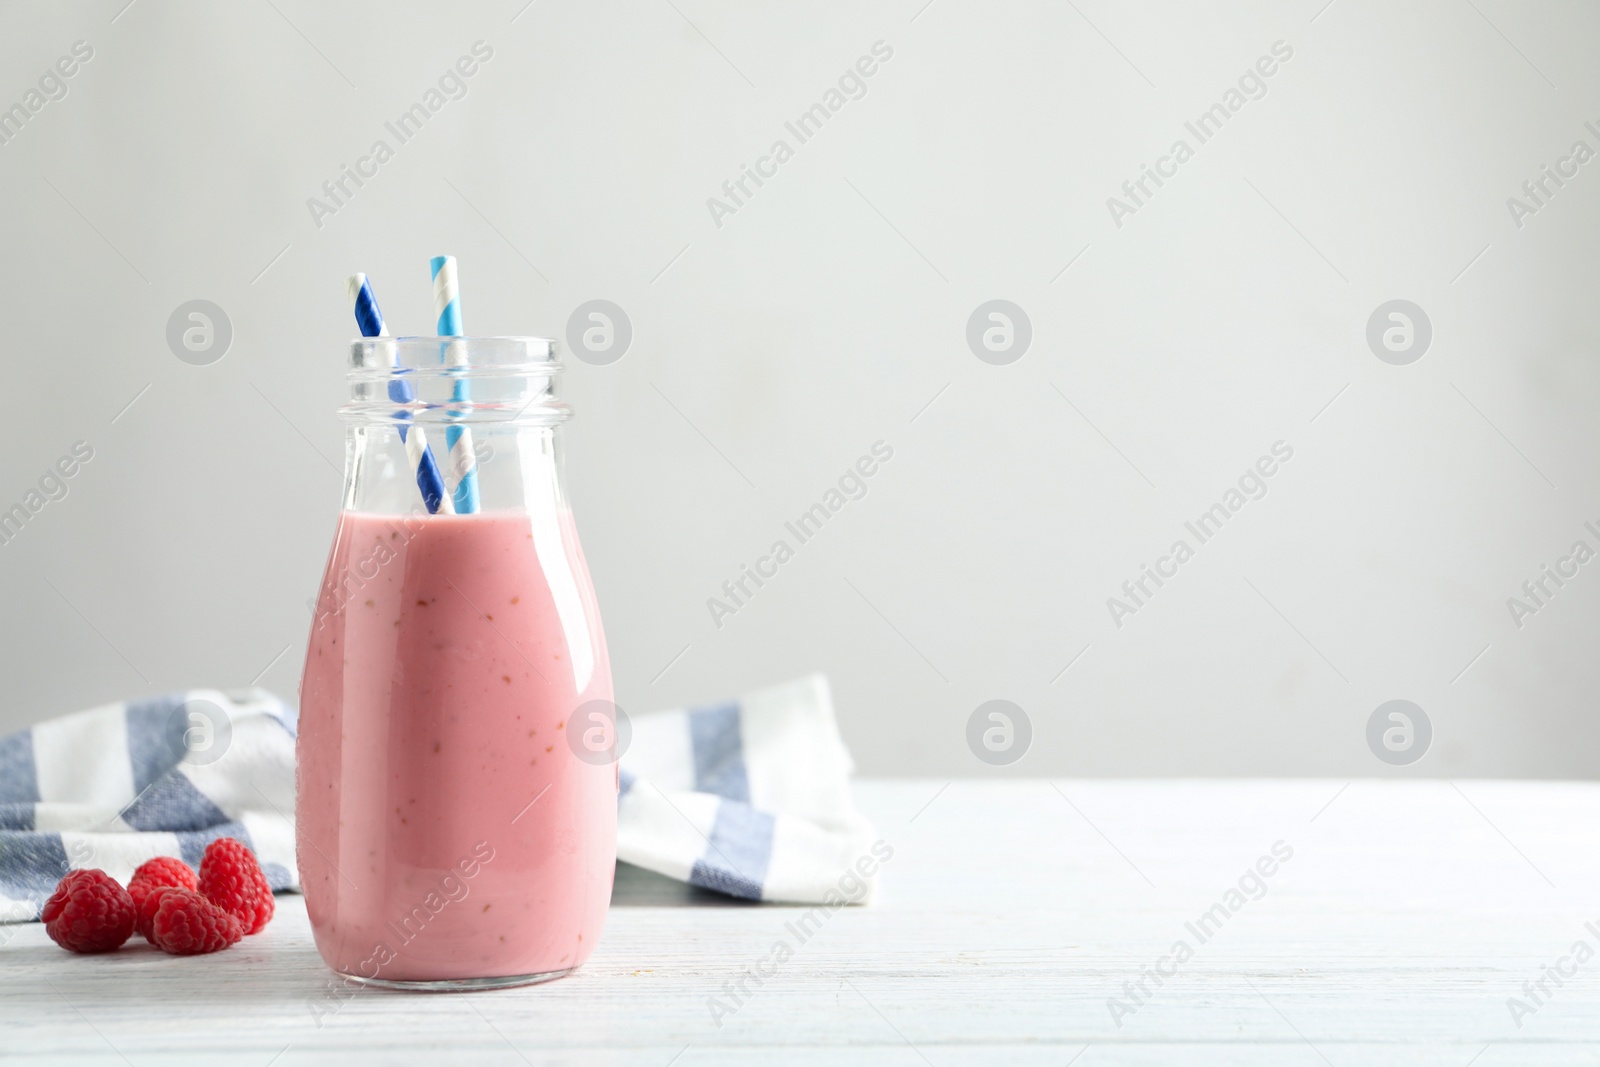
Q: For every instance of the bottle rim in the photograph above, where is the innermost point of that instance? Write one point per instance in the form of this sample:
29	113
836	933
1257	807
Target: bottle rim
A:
426	351
427	379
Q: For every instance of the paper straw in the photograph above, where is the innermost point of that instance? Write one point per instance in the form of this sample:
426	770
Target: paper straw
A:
429	481
447	305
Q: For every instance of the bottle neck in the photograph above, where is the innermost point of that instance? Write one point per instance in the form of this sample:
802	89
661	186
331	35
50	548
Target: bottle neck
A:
452	425
513	468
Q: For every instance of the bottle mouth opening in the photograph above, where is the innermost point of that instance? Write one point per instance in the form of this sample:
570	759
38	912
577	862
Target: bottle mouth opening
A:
368	354
503	380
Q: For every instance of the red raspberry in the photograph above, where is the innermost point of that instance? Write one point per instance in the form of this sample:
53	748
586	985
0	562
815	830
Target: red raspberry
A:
152	875
187	924
88	912
231	879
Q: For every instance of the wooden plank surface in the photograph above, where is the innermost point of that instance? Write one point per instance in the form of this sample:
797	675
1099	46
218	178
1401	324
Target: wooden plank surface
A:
1010	913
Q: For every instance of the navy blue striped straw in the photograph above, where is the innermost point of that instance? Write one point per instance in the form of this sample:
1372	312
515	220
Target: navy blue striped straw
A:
420	454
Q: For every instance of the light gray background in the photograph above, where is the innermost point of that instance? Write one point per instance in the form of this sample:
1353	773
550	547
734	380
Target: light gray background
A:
831	312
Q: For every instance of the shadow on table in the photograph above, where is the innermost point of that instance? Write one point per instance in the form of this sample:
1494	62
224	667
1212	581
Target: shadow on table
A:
636	887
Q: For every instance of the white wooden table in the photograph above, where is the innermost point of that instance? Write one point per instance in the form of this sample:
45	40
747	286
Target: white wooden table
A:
1009	914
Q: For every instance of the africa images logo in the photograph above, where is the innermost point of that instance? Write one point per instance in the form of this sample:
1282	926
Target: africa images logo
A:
1251	85
852	85
451	85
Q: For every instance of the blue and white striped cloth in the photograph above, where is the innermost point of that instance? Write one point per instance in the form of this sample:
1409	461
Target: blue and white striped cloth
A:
117	785
749	798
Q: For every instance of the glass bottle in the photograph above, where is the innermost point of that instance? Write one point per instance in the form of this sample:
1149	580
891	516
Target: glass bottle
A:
449	835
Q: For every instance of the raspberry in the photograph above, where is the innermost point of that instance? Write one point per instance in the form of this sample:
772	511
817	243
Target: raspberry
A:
231	879
187	924
152	875
88	912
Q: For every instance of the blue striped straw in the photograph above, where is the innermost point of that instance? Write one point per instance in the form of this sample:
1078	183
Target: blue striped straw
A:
429	480
447	305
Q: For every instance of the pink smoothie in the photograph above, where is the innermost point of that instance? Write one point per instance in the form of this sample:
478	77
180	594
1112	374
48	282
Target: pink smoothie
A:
445	828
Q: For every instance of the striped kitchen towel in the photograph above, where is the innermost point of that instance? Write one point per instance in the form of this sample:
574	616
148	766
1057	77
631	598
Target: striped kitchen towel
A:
116	785
750	798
